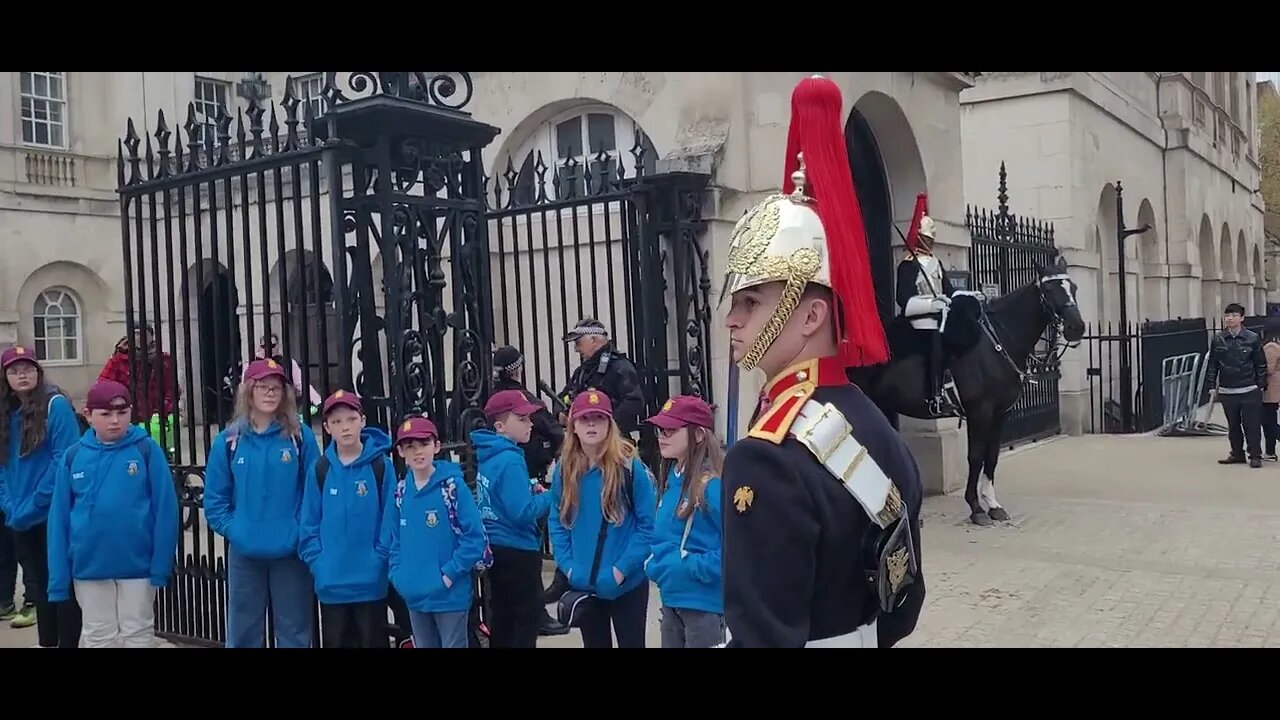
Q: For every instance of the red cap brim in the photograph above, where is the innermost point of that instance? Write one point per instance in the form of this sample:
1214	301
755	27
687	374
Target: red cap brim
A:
667	422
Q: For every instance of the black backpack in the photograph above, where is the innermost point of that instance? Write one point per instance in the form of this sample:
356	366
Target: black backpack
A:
322	469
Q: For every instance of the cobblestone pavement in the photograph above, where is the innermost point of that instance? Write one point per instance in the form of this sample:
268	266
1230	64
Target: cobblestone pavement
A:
1114	541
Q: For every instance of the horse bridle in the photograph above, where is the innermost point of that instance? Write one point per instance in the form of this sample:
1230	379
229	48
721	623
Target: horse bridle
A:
1053	359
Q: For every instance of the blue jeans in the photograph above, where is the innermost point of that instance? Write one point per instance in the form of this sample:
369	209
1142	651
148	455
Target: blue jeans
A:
251	583
439	630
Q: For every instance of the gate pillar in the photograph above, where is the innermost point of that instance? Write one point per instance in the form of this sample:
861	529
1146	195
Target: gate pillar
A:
406	187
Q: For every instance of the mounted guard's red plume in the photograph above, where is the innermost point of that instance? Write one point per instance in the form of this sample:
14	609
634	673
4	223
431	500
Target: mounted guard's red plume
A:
913	235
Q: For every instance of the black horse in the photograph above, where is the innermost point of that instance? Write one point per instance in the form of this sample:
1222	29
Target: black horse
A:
987	353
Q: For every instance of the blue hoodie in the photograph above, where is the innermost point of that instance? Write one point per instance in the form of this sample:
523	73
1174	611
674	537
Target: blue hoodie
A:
26	483
692	582
341	527
114	514
255	501
504	492
625	546
421	544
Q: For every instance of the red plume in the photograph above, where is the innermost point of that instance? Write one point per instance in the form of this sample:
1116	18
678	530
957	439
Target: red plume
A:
817	130
922	209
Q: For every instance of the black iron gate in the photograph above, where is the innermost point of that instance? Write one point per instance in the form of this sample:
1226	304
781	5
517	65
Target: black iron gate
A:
362	239
1002	258
601	240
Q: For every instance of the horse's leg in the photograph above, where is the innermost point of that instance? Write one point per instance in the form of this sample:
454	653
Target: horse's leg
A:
977	455
987	485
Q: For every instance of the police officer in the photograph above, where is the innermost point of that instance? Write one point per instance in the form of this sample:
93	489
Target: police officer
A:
607	370
923	295
822	497
544	443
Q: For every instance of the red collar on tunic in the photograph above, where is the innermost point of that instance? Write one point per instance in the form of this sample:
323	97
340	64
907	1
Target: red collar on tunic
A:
822	372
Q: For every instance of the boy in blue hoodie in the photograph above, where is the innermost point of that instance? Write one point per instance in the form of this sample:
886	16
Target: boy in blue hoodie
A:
434	538
343	503
113	524
511	504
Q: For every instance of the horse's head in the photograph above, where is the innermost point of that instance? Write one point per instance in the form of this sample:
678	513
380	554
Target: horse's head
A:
1058	292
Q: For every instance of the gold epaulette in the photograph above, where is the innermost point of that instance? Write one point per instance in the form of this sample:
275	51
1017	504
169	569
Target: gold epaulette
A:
775	423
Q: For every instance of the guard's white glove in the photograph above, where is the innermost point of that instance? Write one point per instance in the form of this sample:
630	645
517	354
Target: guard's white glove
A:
941	302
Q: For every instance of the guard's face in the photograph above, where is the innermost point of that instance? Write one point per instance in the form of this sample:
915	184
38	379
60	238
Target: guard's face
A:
344	425
22	376
749	312
673	444
109	425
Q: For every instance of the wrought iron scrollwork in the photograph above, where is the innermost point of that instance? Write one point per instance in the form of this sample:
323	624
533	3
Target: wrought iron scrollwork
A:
436	89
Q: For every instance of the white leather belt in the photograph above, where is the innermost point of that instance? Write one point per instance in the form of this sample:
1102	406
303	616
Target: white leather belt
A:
828	435
864	637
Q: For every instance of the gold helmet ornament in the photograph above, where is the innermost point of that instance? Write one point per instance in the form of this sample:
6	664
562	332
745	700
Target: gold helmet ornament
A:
811	233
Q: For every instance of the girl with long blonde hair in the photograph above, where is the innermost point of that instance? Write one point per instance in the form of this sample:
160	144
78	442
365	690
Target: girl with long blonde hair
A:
685	562
601	521
252	497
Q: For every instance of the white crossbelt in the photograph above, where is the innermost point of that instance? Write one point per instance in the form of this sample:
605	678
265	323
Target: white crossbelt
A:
864	636
829	436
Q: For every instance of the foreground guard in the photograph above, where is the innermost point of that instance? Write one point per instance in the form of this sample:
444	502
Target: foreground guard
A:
822	498
924	295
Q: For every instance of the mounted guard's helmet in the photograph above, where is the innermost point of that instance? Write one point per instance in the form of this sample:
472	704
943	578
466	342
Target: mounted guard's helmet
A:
926	227
811	233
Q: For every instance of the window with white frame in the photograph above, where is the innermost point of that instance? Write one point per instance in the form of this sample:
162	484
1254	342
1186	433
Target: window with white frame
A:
209	96
57	326
598	137
308	89
44	109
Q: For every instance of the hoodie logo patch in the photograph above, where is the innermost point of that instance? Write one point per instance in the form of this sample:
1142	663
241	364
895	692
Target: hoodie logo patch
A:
285	456
133	468
362	488
432	519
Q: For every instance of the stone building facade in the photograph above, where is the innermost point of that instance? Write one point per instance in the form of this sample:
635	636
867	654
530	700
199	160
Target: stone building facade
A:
1183	150
61	287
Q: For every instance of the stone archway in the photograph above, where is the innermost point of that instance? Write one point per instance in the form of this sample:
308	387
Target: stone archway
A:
888	174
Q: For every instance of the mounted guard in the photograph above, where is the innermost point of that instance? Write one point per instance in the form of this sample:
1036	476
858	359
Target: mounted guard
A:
924	297
822	497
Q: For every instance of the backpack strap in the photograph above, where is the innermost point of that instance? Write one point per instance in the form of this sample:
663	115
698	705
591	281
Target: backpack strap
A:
322	469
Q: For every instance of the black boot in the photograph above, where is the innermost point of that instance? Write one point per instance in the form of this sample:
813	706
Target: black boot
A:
940	406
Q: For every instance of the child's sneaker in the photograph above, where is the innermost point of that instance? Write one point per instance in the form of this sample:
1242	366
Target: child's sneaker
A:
7	612
25	618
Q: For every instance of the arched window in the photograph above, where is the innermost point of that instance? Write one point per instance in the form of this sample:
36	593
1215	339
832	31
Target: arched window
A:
58	331
595	136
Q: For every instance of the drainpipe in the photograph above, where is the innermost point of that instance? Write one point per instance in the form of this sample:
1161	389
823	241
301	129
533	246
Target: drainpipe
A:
1164	179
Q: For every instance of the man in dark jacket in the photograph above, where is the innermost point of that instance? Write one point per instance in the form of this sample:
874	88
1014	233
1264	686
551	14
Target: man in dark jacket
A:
1238	366
607	370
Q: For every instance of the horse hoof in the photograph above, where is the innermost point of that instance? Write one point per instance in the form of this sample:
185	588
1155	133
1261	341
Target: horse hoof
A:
980	518
998	514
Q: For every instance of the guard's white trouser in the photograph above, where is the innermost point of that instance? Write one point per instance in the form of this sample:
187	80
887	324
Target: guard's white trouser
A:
116	613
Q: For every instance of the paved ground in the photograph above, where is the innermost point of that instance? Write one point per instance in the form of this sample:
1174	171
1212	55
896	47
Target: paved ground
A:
1114	541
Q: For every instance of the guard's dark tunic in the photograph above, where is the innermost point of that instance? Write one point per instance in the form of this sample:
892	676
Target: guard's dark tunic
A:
795	567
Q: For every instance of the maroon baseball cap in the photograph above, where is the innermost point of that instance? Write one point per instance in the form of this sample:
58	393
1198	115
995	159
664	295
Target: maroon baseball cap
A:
342	397
417	428
263	369
510	401
15	354
591	401
683	410
108	395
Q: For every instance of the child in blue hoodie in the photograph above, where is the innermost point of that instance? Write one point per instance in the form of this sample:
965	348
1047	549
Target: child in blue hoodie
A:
253	487
511	504
343	503
113	524
601	522
434	538
37	425
685	562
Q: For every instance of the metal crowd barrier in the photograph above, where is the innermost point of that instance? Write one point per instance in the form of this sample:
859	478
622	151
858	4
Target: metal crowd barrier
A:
1182	379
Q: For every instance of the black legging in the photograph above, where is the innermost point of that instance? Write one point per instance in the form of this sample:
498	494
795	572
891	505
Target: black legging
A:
57	624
